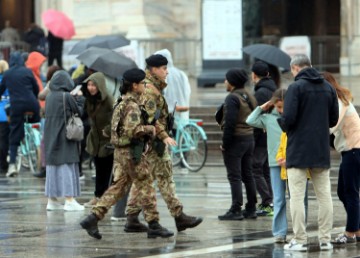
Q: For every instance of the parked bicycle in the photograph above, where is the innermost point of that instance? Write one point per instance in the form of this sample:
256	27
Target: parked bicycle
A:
191	147
29	151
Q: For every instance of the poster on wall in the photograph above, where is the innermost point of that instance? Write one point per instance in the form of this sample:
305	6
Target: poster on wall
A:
222	29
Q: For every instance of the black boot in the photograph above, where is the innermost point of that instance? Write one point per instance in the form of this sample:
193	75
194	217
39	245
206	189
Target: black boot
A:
133	225
90	225
41	173
156	230
184	221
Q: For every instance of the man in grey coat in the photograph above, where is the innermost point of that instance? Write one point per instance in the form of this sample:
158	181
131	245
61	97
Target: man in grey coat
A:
310	109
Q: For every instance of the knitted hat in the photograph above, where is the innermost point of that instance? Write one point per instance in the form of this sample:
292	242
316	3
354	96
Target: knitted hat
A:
260	68
156	60
236	77
134	75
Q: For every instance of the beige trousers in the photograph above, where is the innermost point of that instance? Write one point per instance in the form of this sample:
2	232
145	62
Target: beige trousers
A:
321	181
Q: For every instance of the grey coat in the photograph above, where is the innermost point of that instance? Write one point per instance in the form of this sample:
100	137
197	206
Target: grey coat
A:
58	149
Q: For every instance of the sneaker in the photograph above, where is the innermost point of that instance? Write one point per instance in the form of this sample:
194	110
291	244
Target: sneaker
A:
82	177
343	239
91	203
52	206
295	246
12	171
248	214
280	240
73	206
265	210
326	246
231	215
117	218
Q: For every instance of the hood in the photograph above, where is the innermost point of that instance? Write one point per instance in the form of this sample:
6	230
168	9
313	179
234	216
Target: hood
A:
166	53
16	59
310	74
39	31
34	62
61	81
266	83
98	79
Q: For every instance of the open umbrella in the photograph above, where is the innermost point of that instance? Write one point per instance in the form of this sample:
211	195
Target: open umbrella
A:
58	23
107	61
103	41
269	54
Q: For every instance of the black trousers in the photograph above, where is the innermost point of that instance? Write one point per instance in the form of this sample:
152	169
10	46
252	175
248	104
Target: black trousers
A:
53	56
103	170
238	162
4	145
261	174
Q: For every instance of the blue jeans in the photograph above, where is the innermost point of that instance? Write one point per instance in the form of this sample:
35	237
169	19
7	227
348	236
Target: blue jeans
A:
279	224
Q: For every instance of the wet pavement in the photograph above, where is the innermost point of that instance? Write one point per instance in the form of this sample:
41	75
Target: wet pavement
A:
28	230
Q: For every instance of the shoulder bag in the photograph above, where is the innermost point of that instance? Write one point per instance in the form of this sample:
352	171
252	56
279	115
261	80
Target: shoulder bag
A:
74	126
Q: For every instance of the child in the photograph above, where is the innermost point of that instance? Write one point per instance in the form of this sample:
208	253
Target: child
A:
265	117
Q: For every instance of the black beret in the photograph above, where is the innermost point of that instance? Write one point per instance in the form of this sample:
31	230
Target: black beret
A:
236	77
260	68
156	60
134	75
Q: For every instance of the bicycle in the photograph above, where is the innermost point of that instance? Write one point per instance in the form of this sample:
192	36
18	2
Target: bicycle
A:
191	147
30	146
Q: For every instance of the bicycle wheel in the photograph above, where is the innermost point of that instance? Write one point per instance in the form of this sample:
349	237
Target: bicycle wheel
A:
193	148
33	153
175	155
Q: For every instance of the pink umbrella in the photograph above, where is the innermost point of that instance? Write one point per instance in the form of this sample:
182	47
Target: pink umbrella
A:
58	23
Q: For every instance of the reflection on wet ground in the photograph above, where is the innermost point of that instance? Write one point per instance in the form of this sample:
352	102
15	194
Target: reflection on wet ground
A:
28	230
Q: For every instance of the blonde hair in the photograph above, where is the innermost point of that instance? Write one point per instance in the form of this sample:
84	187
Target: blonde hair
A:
3	66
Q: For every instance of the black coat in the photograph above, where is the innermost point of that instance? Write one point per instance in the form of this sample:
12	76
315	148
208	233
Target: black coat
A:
264	90
310	109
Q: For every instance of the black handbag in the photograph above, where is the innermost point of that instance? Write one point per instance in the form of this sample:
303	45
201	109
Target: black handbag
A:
219	114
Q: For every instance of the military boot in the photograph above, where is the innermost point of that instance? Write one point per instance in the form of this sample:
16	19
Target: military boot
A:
133	225
156	230
184	221
90	224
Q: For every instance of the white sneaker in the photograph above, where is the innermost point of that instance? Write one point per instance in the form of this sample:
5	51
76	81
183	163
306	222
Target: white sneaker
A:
295	246
118	218
184	171
73	206
12	171
326	246
51	206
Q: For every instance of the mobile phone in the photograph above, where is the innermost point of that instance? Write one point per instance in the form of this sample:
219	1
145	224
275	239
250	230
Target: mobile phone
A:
76	90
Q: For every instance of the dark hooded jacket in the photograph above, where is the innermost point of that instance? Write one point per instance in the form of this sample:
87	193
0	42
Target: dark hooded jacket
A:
263	93
310	109
59	150
99	109
22	86
33	37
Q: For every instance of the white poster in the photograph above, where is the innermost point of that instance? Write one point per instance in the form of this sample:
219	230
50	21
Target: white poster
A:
222	29
296	45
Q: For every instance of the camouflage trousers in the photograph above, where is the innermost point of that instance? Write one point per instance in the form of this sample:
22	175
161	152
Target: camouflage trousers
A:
125	175
161	171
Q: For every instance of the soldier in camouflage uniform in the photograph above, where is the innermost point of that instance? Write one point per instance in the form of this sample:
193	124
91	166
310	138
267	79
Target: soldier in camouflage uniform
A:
127	127
159	158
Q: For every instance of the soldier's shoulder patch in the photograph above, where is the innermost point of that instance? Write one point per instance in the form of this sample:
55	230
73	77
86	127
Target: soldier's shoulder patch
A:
134	117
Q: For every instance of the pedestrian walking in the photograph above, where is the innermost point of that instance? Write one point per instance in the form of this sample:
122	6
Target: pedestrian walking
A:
128	132
347	142
99	107
160	165
264	89
238	145
309	98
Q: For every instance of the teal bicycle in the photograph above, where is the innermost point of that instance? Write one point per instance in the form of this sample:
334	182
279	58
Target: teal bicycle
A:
191	149
29	150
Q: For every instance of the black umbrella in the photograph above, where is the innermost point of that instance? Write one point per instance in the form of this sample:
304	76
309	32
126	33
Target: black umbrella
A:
269	54
107	61
103	41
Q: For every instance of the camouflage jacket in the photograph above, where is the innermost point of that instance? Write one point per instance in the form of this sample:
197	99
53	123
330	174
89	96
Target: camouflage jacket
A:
153	100
127	122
